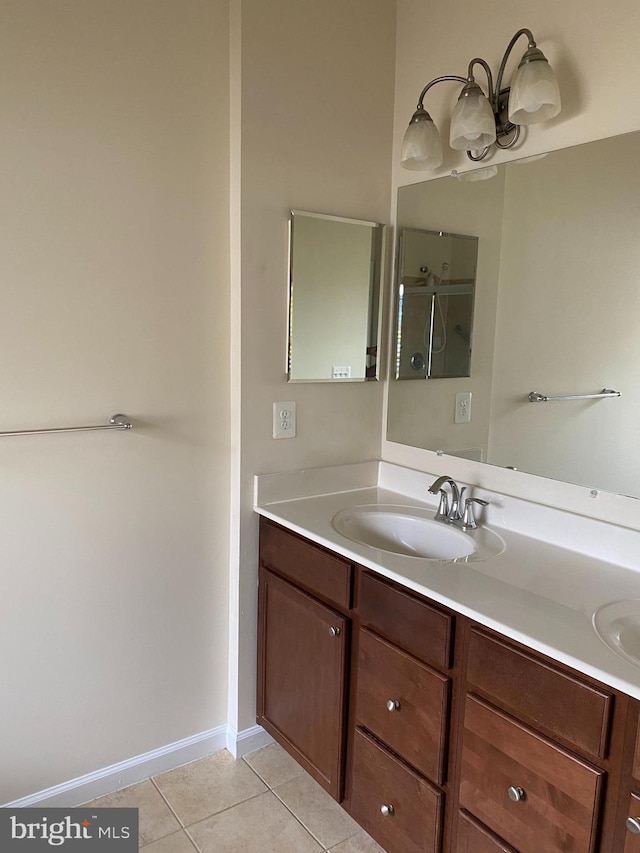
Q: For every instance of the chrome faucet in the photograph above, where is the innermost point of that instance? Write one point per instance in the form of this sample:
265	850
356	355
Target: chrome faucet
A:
457	511
447	511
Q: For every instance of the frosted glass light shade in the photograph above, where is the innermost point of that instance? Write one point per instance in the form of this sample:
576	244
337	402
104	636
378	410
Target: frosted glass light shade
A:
421	146
473	126
534	95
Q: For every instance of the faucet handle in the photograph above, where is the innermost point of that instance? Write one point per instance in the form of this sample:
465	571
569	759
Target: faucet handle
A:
443	506
468	518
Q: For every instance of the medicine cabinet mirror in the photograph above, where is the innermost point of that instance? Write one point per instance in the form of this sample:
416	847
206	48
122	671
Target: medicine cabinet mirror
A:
335	268
556	312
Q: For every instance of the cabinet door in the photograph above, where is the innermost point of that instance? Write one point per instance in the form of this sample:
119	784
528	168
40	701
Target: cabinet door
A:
302	678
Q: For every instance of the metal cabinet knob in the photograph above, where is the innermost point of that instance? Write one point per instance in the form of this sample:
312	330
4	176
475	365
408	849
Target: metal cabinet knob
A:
393	705
633	825
387	809
516	794
334	632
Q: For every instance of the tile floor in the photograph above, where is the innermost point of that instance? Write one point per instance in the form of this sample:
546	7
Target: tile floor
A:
263	803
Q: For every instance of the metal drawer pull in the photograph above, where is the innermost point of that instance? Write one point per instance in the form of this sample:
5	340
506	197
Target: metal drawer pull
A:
334	632
393	705
633	825
387	809
516	794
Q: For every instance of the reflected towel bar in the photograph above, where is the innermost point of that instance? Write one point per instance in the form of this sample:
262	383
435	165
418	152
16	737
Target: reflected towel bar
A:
116	422
536	397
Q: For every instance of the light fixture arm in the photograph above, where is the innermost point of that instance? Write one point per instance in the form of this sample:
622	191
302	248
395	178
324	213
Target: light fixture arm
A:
532	44
433	82
478	60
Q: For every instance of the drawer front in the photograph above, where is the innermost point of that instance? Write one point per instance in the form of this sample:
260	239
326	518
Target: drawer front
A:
539	693
381	782
473	837
632	839
306	564
419	701
407	620
559	805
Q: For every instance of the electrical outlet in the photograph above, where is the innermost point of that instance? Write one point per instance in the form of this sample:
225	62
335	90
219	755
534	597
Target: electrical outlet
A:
463	408
284	420
342	371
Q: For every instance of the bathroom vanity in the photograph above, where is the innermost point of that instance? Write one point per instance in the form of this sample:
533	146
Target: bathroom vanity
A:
447	706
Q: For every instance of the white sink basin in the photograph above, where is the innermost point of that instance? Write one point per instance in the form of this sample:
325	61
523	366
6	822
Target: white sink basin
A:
618	626
413	532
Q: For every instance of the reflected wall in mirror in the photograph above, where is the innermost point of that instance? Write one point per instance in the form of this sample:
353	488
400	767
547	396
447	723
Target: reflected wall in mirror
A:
335	267
557	307
434	304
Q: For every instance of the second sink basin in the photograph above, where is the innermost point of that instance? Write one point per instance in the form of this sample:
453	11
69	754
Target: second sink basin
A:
409	531
618	626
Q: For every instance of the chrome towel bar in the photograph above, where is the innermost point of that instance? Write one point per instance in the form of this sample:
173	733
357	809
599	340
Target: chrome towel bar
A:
116	422
536	397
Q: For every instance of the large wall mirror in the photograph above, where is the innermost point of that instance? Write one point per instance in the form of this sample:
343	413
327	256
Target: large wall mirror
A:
556	312
335	268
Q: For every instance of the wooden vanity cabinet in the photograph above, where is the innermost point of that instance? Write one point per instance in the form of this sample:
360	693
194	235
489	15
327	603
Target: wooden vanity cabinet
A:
443	736
303	642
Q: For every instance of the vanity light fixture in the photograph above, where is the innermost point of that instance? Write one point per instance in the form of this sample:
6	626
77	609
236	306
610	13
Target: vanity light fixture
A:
480	121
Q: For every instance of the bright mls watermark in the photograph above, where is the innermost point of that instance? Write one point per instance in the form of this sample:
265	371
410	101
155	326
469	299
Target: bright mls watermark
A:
82	829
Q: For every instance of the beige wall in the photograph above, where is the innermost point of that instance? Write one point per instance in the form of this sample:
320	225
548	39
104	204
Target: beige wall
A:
114	269
593	48
317	100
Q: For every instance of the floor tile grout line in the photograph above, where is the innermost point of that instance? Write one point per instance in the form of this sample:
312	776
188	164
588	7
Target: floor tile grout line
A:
191	839
225	809
169	806
300	821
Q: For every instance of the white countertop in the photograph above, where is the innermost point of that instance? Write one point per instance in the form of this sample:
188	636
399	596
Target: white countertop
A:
540	593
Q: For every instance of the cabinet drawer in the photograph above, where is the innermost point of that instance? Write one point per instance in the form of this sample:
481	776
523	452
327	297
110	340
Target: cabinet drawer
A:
558	809
306	564
414	818
406	619
473	837
540	693
415	725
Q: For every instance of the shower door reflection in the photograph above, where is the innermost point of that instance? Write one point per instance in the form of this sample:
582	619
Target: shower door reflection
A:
434	312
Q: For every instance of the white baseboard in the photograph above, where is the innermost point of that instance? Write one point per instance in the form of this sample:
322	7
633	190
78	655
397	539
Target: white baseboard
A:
244	742
141	767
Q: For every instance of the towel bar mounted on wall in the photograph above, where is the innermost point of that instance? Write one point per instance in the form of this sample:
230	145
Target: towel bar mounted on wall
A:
536	397
116	422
